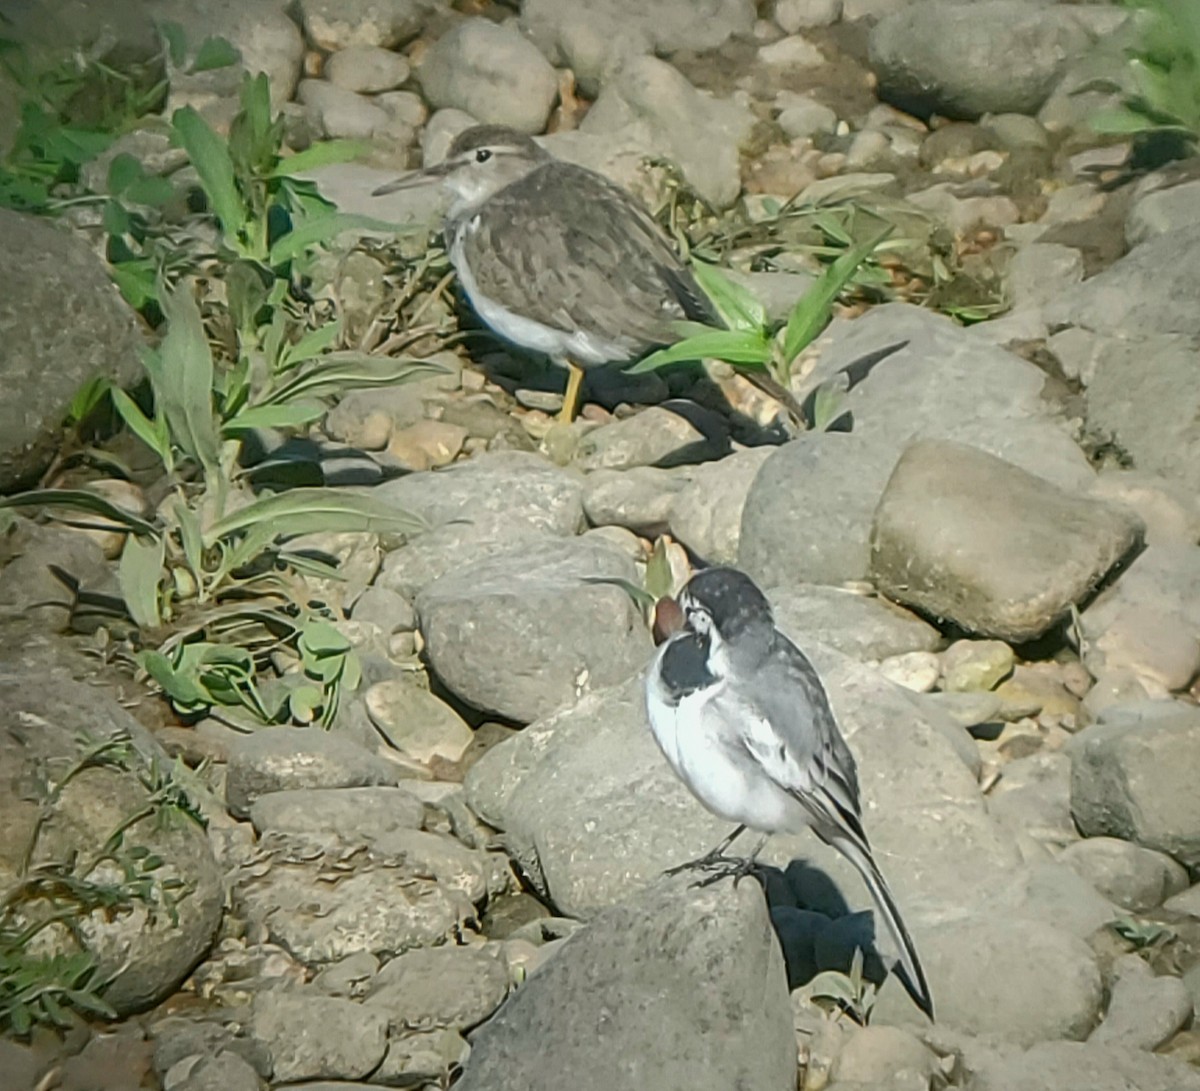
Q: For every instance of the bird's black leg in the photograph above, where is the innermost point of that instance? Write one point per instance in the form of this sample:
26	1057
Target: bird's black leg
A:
734	867
716	859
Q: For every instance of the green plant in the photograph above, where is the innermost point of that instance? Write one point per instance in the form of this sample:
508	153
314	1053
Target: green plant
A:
658	582
210	582
749	340
850	993
1161	94
40	983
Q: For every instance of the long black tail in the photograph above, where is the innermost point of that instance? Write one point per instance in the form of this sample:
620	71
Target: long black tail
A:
908	968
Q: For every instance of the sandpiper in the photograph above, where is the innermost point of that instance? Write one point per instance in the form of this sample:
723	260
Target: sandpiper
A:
557	259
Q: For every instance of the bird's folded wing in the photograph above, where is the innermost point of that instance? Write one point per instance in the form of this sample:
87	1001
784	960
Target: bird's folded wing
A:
787	725
602	264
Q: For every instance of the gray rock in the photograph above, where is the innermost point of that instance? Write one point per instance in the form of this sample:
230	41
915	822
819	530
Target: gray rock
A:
590	38
177	1038
1140	396
977	565
30	590
591	811
1135	878
674	434
795	15
312	1036
945	384
366	69
1136	779
47	358
678	989
706	514
493	73
1170	512
513	484
219	1072
418	1060
260	30
401	894
1050	893
1145	1011
653	102
807	516
985	974
971	666
1076	1066
278	758
1158	647
1130	299
345	812
445	986
639	499
859	626
338	113
143	947
339	24
523	633
367	418
879	1055
1040	271
454	546
964	60
417	723
1161	211
348	976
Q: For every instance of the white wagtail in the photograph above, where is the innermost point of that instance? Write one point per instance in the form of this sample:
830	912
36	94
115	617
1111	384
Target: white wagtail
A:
743	719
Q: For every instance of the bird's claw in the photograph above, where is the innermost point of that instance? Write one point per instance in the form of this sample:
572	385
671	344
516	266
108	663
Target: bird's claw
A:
721	867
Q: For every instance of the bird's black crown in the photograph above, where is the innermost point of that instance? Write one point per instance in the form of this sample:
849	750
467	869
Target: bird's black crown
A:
731	599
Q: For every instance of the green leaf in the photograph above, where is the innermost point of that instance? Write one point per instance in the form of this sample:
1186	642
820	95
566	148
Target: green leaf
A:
176	38
341	371
79	500
191	539
319	230
1120	120
660	580
148	431
150	190
736	305
138	576
811	314
303	703
273	416
186	692
137	281
313	511
123	171
320	155
87	397
319	639
311	345
833	985
213	53
182	377
641	598
210	156
732	346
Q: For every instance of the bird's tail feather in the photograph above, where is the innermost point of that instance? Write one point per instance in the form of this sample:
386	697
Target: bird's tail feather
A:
909	970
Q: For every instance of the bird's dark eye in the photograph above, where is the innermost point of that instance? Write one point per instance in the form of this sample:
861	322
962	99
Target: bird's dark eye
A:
483	155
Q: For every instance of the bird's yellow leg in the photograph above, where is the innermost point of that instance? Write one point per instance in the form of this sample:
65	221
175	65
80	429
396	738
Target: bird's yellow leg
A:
570	404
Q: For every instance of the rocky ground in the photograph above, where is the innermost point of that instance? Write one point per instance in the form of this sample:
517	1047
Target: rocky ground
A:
992	558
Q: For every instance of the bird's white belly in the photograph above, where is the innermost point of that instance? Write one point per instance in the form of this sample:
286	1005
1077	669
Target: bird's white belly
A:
579	346
737	789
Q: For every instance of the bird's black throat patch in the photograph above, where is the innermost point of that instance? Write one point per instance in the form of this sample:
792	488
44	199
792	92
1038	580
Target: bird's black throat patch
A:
684	667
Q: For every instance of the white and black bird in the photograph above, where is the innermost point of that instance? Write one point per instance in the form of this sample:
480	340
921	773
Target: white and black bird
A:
557	259
743	718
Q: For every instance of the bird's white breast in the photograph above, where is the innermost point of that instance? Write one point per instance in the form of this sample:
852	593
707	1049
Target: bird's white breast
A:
581	347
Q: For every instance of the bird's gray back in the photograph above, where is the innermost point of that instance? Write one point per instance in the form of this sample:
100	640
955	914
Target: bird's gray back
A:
596	261
788	693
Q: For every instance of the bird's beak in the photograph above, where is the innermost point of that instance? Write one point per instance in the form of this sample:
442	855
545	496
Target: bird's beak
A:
414	178
668	619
